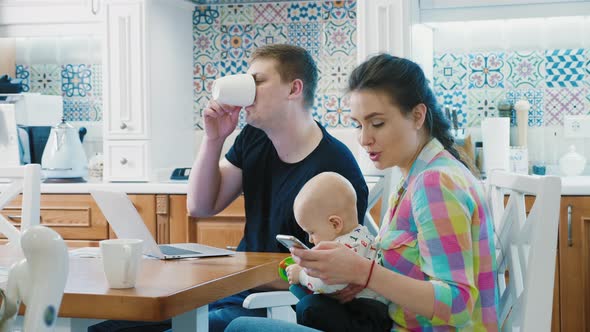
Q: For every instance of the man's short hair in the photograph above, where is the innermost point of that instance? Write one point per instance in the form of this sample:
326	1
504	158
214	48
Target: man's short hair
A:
294	62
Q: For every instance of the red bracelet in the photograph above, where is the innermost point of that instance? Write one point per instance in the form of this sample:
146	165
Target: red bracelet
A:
370	273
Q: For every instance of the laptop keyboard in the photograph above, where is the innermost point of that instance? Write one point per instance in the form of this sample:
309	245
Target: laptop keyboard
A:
174	251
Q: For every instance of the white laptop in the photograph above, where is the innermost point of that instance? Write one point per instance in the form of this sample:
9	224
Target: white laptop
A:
127	223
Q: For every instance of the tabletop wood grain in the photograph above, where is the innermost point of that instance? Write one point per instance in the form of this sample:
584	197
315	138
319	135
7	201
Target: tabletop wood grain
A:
164	289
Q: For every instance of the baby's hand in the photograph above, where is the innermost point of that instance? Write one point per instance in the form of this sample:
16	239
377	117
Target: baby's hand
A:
293	273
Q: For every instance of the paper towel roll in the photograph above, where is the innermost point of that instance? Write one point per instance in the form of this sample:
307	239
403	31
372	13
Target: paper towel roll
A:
235	90
495	133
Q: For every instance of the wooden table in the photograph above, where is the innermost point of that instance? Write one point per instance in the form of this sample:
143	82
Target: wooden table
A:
179	289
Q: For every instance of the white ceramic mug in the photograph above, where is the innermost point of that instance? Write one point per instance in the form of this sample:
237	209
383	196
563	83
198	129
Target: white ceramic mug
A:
121	259
235	90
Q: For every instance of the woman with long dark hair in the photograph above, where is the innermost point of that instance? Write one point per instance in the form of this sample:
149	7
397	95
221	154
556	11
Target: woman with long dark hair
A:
436	253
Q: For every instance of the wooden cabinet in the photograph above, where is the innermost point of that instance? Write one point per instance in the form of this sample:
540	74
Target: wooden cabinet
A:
148	94
74	217
574	263
78	219
223	230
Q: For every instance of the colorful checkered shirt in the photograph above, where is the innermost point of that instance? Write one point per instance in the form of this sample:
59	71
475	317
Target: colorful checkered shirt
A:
439	229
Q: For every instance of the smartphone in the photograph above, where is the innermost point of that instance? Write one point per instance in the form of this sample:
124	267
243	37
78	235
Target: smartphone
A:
289	241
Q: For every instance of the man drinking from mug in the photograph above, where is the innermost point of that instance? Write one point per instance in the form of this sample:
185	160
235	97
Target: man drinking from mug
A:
279	149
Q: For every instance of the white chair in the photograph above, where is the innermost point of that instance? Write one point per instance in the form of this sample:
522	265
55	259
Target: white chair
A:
279	304
526	247
26	180
38	281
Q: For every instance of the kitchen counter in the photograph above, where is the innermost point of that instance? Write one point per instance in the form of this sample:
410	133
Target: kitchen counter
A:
176	187
570	186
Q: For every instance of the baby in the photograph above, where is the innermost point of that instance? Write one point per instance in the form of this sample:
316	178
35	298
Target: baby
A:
325	209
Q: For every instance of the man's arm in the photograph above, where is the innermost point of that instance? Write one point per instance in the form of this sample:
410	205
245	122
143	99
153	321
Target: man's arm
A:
212	184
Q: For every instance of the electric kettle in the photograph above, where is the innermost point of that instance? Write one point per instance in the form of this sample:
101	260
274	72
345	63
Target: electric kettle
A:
63	157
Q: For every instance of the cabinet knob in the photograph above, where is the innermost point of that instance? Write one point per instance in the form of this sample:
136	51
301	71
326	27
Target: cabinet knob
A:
123	125
123	161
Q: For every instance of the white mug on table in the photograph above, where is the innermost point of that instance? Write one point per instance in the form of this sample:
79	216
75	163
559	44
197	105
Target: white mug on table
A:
121	259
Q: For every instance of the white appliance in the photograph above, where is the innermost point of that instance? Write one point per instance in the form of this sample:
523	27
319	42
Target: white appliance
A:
35	109
64	156
9	144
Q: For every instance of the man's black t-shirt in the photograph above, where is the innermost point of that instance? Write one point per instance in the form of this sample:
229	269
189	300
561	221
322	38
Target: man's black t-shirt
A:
270	185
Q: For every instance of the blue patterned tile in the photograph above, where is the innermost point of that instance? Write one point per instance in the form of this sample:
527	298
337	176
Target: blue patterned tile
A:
318	109
485	70
454	99
205	15
333	73
270	12
535	99
204	74
76	80
525	69
82	109
338	10
450	72
23	73
306	35
559	102
565	67
482	103
96	80
46	79
200	101
242	120
339	37
337	111
270	33
304	12
206	41
236	41
236	14
233	66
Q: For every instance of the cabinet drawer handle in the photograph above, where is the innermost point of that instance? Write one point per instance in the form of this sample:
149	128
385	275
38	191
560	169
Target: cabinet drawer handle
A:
123	126
123	161
14	217
570	240
234	248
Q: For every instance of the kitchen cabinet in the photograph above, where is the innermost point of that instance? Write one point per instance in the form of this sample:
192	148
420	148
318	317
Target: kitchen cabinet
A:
148	88
78	219
393	26
383	26
49	11
459	10
574	263
223	230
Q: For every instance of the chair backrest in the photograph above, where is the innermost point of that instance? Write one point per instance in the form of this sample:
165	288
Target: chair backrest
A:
26	180
526	247
381	190
38	281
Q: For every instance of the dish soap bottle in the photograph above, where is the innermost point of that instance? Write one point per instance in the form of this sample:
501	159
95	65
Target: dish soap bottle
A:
572	163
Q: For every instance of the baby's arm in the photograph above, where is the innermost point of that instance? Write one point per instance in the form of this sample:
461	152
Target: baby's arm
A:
316	284
293	273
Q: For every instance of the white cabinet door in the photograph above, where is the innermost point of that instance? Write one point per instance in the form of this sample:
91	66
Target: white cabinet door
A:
13	12
433	4
384	26
125	99
126	161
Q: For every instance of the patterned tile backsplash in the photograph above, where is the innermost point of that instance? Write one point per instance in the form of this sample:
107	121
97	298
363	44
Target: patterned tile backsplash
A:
225	36
80	85
556	83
